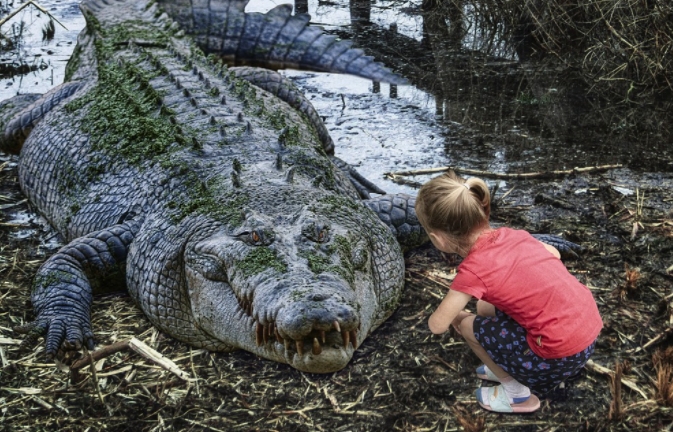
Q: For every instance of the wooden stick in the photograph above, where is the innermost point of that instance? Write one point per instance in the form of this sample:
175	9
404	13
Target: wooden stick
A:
480	173
101	353
605	371
139	347
29	3
651	341
153	355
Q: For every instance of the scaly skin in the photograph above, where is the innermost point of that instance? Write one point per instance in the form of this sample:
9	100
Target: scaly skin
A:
218	204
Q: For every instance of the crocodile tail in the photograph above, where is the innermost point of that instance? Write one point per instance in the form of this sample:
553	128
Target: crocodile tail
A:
276	39
20	114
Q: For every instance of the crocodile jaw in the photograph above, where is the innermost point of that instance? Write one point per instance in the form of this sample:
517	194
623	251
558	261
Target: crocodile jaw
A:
323	342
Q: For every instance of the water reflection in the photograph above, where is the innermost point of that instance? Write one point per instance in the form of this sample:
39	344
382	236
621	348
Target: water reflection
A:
496	111
35	48
501	112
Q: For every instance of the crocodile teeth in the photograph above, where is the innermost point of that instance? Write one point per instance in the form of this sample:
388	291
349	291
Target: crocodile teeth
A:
354	338
336	326
346	337
286	342
322	336
300	347
317	349
265	334
258	334
279	338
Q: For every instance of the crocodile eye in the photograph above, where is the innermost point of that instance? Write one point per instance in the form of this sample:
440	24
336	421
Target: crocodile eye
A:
318	232
257	237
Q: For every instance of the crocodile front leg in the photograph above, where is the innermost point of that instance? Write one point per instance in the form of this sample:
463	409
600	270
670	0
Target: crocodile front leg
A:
361	184
62	291
566	248
399	213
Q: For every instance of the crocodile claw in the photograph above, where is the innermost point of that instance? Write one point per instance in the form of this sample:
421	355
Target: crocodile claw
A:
62	332
567	248
361	184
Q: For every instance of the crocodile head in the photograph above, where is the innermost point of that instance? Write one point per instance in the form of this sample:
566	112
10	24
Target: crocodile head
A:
301	284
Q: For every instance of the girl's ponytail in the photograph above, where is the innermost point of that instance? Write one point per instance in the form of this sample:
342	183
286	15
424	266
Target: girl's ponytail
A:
454	206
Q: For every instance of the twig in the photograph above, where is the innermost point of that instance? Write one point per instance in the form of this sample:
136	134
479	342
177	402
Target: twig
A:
151	354
139	347
490	174
94	377
605	371
651	341
101	353
616	409
25	5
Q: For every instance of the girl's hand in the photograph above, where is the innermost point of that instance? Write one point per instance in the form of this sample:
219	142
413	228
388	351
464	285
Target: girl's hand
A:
449	310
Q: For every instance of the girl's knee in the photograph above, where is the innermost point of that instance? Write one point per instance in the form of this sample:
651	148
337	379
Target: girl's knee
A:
467	326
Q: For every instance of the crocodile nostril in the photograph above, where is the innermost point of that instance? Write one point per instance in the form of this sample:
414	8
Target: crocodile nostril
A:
318	297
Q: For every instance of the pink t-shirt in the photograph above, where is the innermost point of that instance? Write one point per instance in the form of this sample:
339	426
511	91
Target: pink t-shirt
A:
515	273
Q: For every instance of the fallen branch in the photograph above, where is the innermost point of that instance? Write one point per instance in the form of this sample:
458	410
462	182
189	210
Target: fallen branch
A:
139	347
533	175
25	5
651	341
605	371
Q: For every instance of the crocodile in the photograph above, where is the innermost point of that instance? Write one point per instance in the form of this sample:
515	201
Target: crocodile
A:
179	165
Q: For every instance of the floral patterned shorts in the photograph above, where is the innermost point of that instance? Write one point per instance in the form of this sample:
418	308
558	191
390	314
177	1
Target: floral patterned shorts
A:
505	341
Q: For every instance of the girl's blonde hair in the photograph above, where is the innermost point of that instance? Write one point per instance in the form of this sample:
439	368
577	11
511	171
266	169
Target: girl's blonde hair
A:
456	207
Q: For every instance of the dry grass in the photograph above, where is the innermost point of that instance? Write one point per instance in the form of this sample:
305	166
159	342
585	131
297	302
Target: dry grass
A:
401	379
663	365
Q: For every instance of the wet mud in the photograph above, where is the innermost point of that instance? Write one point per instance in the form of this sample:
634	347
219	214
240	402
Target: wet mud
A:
402	377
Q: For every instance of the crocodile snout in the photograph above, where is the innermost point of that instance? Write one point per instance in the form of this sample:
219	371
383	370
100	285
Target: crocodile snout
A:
313	321
317	311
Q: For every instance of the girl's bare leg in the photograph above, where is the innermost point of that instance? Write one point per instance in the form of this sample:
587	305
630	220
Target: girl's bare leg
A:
466	326
512	387
485	308
456	322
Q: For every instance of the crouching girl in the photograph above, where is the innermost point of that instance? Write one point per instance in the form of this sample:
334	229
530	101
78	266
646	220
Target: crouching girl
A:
536	325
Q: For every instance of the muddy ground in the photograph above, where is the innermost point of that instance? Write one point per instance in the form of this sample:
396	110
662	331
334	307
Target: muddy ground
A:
402	377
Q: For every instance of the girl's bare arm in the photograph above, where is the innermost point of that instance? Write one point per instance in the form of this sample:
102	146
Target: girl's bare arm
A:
552	249
448	310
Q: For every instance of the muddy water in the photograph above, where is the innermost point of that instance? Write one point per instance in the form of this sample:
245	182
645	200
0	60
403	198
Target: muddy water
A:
49	57
463	108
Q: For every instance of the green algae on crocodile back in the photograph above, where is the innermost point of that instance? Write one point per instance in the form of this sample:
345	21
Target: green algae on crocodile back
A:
212	193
